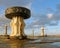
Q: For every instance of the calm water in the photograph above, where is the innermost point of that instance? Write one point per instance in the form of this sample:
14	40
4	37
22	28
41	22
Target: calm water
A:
31	44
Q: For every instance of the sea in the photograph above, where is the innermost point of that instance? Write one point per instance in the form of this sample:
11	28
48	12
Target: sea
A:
43	42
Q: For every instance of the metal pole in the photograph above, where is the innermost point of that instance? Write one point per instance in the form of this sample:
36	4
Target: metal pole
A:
5	30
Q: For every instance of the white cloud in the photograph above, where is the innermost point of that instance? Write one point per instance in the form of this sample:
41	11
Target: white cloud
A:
9	3
38	20
49	16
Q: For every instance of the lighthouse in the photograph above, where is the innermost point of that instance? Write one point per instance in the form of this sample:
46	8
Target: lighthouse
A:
42	31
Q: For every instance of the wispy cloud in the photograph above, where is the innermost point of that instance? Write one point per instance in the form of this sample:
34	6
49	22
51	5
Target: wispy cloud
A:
51	19
36	19
9	3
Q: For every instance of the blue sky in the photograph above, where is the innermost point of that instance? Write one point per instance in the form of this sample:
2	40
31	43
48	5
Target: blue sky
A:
43	13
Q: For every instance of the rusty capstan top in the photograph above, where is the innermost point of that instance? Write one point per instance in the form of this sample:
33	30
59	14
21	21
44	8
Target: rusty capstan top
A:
17	11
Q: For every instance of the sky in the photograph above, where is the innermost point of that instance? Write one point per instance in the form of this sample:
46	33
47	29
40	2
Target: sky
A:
43	13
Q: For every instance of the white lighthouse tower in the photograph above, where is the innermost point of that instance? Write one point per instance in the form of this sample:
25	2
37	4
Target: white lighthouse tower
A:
42	31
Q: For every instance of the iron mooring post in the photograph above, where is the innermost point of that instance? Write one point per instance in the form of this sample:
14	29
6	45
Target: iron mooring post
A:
17	16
